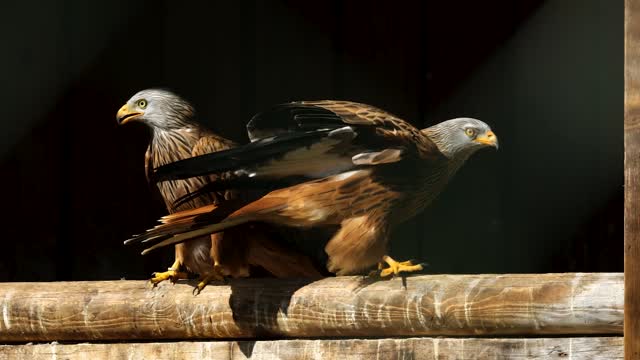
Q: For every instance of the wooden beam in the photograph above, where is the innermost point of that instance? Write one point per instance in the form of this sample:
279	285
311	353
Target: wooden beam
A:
331	307
412	348
632	179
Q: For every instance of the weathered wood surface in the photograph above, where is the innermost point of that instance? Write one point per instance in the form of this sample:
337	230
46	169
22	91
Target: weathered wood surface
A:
411	348
333	307
632	179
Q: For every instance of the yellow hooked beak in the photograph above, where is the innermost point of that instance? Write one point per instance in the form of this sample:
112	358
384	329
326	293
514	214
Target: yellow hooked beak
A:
124	115
488	138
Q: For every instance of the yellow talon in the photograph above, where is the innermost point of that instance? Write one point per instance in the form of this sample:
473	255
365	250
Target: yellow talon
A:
406	263
216	275
172	274
396	268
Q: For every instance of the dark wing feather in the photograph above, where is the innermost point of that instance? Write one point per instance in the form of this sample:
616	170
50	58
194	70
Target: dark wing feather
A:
291	117
210	143
390	128
314	115
251	154
307	115
309	140
267	164
357	113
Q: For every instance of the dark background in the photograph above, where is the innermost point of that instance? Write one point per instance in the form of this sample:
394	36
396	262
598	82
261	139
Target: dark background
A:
546	75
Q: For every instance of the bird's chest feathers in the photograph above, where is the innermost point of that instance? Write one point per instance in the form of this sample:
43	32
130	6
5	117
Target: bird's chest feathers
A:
421	188
167	147
170	146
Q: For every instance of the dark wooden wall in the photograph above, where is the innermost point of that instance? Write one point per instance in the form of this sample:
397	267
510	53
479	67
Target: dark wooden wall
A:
545	76
632	183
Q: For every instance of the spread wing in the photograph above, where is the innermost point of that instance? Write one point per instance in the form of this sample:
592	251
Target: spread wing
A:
314	115
309	140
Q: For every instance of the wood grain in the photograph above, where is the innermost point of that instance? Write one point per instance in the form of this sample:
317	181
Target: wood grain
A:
411	348
632	179
580	303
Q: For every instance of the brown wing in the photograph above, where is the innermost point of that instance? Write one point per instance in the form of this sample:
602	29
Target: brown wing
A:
307	140
357	113
388	125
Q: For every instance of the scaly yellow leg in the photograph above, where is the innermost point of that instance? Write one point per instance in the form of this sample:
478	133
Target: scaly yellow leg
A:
172	274
396	268
216	274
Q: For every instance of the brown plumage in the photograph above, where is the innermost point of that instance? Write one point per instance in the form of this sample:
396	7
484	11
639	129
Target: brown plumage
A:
175	136
336	163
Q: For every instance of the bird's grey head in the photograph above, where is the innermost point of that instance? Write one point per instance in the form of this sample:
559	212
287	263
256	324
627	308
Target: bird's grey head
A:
159	109
461	137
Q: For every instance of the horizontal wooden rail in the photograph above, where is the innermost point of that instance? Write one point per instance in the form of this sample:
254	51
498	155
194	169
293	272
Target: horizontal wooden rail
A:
410	348
524	304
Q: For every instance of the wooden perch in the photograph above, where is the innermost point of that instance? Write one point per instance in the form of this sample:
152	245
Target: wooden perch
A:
412	348
333	307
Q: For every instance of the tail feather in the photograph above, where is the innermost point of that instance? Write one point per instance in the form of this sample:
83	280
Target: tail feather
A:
187	220
210	229
161	231
180	227
182	221
187	213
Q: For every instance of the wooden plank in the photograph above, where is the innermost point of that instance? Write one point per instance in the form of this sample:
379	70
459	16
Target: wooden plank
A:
580	303
632	179
411	348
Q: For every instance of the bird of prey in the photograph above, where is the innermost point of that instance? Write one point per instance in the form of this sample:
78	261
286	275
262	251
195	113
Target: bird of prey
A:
175	136
334	163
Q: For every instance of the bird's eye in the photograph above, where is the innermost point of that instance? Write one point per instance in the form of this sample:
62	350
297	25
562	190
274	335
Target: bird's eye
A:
142	103
470	132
